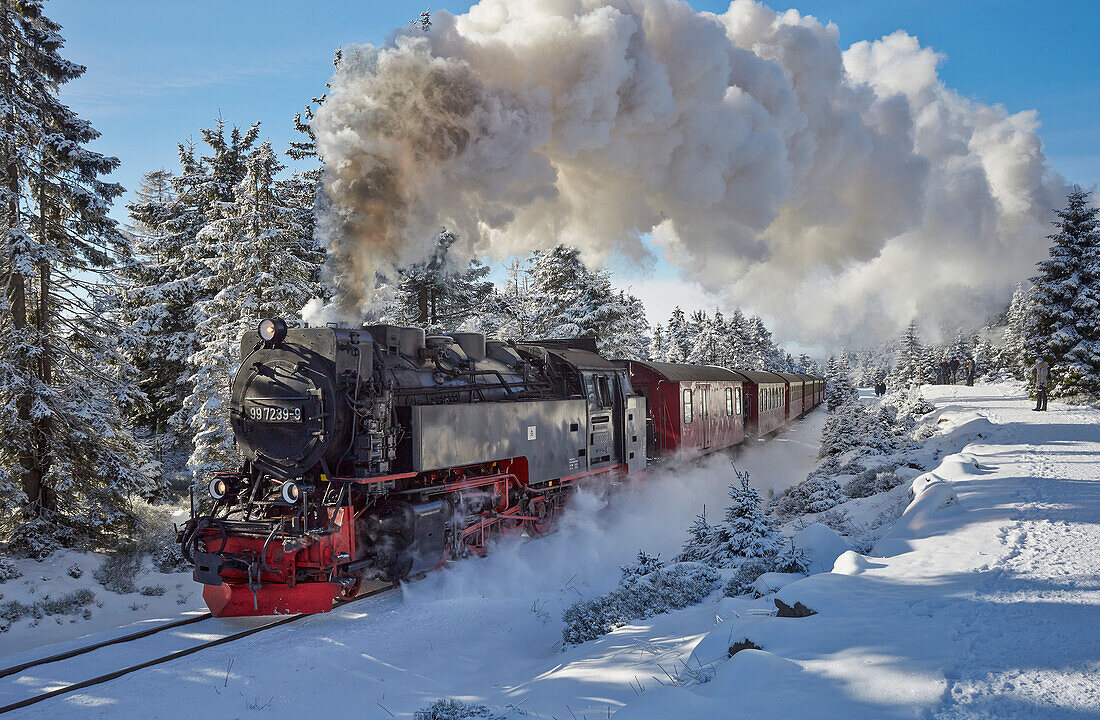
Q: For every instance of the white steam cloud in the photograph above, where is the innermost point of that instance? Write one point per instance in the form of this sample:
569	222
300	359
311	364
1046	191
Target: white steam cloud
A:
838	192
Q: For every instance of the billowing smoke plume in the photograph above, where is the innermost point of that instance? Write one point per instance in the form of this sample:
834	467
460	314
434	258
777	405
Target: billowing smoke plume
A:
839	192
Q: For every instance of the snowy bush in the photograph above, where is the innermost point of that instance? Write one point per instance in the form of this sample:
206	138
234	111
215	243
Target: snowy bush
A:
447	709
640	596
75	571
790	560
746	576
646	564
118	570
8	570
68	604
872	482
853	426
153	590
817	493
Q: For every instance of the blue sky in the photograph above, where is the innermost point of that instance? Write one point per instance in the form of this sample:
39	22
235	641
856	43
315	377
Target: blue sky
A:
159	70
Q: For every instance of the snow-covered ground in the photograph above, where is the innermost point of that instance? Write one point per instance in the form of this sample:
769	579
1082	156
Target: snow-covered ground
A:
981	601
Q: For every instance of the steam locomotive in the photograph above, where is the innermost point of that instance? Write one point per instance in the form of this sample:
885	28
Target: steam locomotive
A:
380	453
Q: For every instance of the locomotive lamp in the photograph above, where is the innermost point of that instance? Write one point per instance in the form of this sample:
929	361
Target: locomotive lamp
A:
291	492
272	330
217	488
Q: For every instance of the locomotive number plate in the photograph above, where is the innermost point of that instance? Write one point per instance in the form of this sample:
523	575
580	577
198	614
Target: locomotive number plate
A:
274	413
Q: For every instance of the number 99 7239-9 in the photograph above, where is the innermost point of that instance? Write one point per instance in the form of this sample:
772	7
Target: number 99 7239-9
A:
273	413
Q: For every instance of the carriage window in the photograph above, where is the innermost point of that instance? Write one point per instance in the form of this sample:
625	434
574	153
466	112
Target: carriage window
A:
729	401
687	407
738	409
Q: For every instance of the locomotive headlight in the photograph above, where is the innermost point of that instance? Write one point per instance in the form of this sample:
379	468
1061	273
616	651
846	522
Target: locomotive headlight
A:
291	492
218	488
272	330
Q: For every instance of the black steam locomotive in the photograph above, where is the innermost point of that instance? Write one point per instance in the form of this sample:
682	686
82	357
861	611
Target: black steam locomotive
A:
380	453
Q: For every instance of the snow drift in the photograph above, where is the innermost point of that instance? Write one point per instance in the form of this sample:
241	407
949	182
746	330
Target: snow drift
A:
767	162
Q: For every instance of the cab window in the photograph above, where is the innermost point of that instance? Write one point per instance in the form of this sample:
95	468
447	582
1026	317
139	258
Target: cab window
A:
603	390
688	409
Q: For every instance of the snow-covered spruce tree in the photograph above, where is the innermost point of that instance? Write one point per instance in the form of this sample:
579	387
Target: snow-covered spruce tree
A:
838	383
578	302
172	274
677	337
657	352
157	296
70	463
760	349
737	340
708	341
1066	331
702	543
265	266
438	297
910	358
984	363
746	531
1014	355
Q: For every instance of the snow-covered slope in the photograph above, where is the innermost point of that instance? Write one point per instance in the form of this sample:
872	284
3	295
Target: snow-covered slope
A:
981	601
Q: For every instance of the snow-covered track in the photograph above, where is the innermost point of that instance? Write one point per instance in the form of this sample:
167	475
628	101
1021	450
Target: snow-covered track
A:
96	646
15	671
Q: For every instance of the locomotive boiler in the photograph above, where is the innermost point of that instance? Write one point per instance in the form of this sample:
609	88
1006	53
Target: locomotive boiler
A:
379	453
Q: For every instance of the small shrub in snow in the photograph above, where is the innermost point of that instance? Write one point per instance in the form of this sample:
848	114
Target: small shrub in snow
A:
75	571
118	570
646	564
817	493
668	588
447	709
169	559
153	590
872	482
791	560
68	604
8	570
746	576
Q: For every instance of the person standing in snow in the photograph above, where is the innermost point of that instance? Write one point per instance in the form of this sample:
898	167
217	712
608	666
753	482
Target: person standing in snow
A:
970	373
1042	379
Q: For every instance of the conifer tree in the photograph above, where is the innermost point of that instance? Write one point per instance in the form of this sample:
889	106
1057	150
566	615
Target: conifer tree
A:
1067	300
69	462
910	359
736	331
264	263
1014	355
679	342
435	296
748	531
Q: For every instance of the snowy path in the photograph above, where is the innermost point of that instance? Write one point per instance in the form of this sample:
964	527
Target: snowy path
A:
982	602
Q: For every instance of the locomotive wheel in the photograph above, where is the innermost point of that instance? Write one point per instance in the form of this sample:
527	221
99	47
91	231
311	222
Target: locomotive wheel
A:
352	590
544	511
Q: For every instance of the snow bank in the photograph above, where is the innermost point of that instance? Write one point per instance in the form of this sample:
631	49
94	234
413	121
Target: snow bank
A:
822	545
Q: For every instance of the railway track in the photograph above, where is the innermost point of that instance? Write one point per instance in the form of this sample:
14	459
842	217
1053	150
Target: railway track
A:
17	671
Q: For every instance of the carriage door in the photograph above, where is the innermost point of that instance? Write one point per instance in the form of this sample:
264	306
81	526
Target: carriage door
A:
706	432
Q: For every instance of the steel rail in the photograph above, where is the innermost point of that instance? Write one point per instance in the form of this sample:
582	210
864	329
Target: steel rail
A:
175	655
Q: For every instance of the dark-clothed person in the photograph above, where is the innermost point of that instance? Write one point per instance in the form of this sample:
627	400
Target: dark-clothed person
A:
970	373
1042	379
